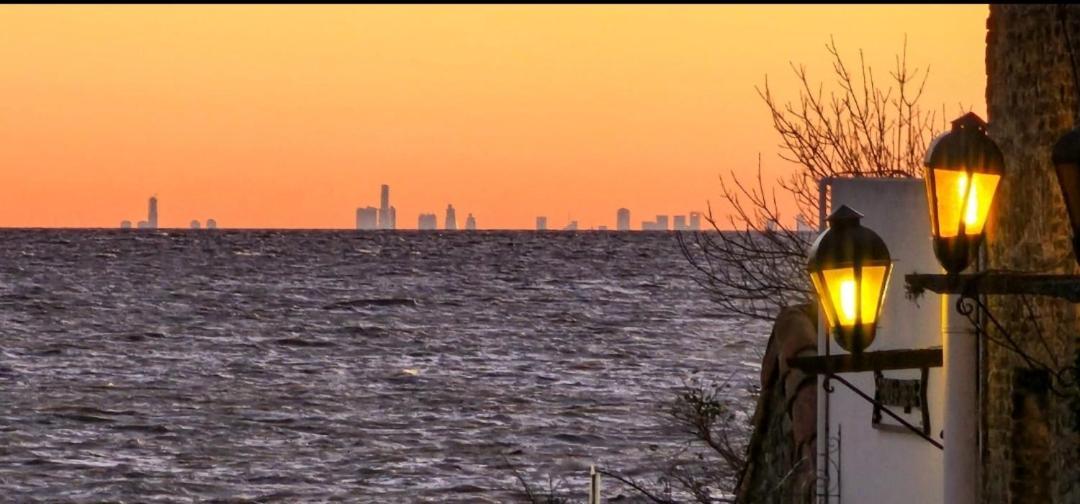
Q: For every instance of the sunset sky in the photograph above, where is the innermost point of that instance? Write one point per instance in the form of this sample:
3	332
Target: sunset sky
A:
292	116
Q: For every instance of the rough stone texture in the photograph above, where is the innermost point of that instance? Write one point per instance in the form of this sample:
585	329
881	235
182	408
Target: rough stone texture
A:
1029	446
782	447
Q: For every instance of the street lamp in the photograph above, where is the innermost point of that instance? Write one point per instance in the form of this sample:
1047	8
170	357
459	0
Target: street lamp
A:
1066	156
962	169
849	266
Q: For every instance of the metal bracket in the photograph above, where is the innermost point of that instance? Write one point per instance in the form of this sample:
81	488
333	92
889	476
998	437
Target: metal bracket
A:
830	365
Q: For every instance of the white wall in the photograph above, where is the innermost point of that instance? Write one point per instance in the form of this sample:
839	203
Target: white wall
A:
879	466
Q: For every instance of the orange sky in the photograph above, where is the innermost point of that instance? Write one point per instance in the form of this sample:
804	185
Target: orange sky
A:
292	116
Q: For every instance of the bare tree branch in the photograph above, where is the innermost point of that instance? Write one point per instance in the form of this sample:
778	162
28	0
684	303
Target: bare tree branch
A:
752	263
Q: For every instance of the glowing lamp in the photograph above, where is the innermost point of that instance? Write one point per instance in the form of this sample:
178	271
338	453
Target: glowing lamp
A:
962	170
849	266
1066	156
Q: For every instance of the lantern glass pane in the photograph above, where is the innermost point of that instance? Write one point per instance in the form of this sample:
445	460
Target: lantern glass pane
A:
849	299
823	296
960	198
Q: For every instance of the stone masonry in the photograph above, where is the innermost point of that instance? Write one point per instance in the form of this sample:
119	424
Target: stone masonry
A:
1028	442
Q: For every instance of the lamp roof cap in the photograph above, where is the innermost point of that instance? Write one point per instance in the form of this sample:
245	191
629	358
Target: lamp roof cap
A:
969	120
843	216
847	243
966	147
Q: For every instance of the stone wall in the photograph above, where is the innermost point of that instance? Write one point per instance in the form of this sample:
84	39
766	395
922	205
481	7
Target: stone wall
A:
781	456
1029	446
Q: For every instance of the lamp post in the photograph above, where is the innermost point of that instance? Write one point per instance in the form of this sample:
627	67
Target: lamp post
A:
849	266
963	168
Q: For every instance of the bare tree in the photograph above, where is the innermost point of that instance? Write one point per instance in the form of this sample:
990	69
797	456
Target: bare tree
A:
704	469
754	264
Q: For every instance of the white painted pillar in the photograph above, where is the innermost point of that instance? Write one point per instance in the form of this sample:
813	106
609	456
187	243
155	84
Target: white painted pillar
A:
961	409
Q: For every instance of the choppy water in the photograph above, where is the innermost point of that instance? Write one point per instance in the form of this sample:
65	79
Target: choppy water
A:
311	366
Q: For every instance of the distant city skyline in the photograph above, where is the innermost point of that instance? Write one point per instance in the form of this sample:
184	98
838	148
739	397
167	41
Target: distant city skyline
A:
151	221
275	115
371	218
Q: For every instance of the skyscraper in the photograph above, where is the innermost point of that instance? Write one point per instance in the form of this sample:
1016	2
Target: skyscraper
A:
541	223
211	224
470	223
661	223
695	221
451	218
680	223
622	219
385	217
195	224
572	226
367	218
151	220
427	222
125	224
393	218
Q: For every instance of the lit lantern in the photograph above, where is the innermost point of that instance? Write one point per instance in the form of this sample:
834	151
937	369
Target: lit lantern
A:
849	266
1066	158
963	170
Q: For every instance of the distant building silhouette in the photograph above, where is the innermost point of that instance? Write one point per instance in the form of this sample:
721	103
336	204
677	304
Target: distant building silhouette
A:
211	224
125	224
427	222
680	223
470	223
195	224
695	221
802	226
771	225
602	228
367	219
622	218
451	218
151	219
386	217
393	218
661	223
541	223
143	225
572	226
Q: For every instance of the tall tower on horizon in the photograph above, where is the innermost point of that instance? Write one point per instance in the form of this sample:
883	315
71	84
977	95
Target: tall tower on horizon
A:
470	223
695	221
661	223
451	218
367	218
541	223
427	222
680	223
151	219
385	217
623	219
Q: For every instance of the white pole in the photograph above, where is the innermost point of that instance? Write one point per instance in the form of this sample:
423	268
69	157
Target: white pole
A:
961	415
594	485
